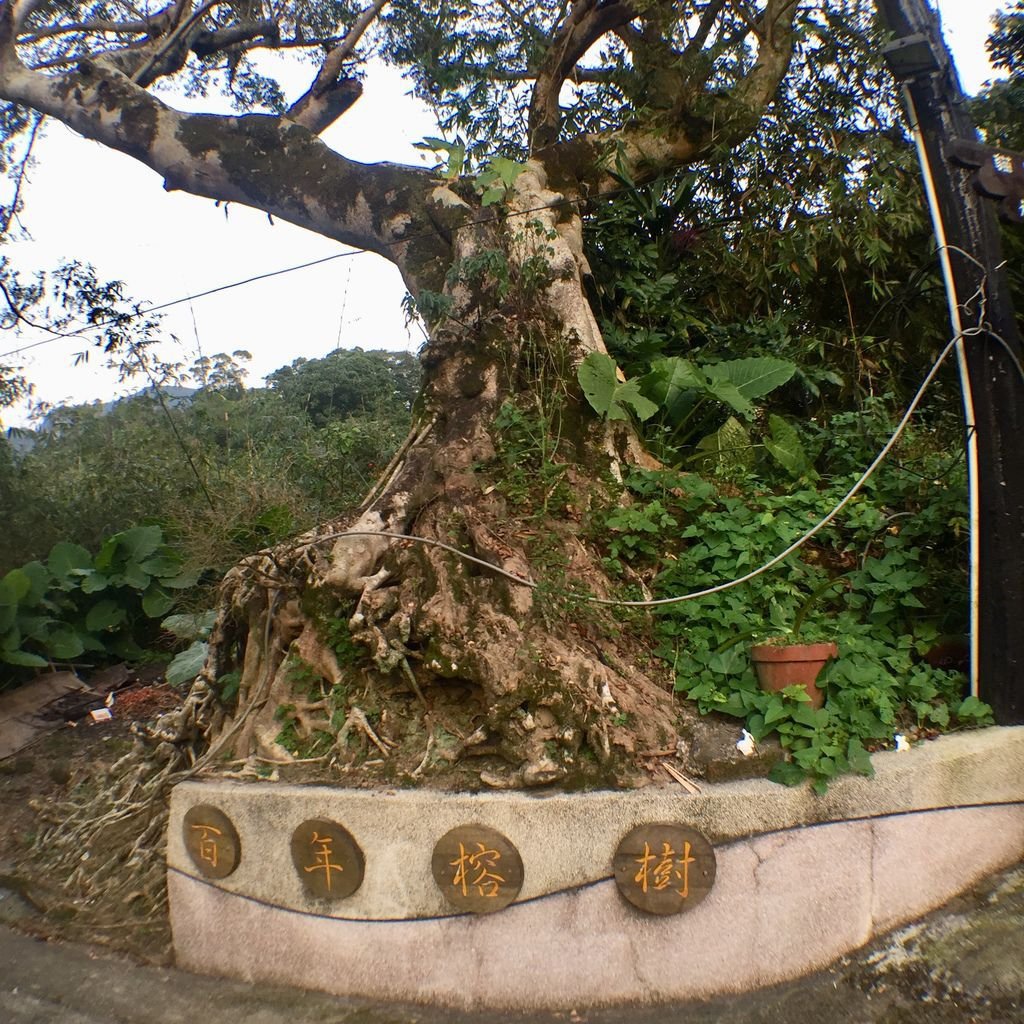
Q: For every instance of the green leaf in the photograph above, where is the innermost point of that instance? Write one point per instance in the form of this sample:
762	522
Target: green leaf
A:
729	447
190	627
140	542
67	560
629	394
727	392
104	616
133	576
754	377
183	581
784	446
15	586
598	380
156	601
40	579
93	582
187	665
64	643
23	658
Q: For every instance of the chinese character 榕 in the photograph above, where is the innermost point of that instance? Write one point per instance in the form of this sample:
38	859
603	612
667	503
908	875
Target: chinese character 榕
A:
477	869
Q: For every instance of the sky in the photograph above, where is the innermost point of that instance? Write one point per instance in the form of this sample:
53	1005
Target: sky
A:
88	203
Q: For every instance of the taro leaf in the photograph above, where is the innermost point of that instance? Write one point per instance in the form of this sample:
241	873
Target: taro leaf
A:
187	665
39	575
726	391
182	581
784	446
104	616
190	627
93	582
754	377
598	376
134	545
67	561
141	541
727	447
23	658
156	601
672	385
14	587
161	565
64	643
133	576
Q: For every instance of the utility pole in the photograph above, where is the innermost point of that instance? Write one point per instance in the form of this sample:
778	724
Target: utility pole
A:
956	168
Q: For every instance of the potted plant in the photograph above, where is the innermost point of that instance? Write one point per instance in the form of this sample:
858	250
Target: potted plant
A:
788	660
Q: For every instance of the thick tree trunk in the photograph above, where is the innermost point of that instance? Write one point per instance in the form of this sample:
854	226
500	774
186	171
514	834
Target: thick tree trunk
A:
371	645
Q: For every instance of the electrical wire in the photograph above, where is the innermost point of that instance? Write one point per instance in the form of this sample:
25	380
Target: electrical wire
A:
718	588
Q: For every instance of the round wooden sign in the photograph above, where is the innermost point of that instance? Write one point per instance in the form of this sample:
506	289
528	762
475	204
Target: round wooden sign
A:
477	869
663	868
328	860
211	841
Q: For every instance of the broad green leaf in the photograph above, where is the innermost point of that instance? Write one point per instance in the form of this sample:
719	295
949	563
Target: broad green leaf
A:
187	665
103	616
784	446
66	560
93	582
161	565
726	391
598	380
754	377
673	385
23	658
133	576
156	601
40	579
599	377
190	627
183	581
64	643
140	541
629	394
728	447
14	587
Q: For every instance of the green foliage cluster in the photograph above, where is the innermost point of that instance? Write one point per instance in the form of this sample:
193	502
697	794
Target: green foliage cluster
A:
887	581
76	604
273	460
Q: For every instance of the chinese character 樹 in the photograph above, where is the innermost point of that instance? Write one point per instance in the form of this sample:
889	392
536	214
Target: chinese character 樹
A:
658	871
477	869
323	860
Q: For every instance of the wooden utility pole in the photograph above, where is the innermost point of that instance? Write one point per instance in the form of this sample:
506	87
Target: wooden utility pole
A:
990	359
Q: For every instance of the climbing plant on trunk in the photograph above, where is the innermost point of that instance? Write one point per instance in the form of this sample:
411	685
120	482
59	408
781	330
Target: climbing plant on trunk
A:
544	106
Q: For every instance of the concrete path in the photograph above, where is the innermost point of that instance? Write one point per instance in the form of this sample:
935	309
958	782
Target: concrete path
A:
964	964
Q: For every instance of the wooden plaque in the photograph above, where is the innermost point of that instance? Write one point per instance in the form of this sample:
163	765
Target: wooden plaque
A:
211	841
477	869
328	860
663	868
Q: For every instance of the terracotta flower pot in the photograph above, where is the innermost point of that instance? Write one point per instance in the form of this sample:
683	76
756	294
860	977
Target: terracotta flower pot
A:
782	665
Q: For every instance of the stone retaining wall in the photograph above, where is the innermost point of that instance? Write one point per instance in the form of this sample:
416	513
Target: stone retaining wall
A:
800	881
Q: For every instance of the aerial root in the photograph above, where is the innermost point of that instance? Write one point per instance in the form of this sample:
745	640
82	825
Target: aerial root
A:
357	720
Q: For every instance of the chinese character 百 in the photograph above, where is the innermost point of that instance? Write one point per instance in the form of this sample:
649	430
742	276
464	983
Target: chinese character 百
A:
477	869
207	843
323	858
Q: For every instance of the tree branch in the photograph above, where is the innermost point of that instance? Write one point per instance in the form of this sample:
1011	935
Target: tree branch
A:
269	163
678	137
587	22
331	95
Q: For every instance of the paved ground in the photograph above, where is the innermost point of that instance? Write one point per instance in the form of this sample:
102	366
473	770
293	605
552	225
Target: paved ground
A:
962	964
